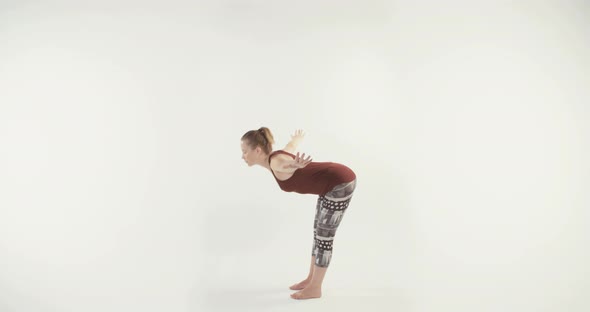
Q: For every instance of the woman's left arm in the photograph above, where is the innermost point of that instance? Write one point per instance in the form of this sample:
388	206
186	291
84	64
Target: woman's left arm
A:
298	162
289	165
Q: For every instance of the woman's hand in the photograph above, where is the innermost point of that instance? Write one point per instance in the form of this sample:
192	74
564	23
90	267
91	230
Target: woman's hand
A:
297	137
300	161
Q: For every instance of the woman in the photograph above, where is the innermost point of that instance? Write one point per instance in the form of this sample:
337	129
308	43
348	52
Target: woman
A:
333	183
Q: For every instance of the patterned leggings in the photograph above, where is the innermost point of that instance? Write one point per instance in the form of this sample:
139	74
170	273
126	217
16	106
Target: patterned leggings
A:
329	212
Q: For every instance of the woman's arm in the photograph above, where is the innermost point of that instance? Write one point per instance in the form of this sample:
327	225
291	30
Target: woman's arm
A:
296	139
283	163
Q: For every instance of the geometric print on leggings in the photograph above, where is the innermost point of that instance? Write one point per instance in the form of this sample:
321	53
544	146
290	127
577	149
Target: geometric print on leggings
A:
330	209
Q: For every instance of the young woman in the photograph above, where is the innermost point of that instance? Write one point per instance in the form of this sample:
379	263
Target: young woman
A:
334	184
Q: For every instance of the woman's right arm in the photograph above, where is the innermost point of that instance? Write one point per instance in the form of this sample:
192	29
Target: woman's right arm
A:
296	138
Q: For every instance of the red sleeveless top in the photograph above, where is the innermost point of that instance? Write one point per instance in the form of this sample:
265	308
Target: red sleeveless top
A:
316	178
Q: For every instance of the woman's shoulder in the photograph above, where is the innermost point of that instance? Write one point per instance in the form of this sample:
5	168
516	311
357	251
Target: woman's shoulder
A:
277	157
283	153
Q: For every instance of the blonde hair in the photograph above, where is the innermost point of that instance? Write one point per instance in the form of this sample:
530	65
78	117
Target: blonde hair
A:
261	137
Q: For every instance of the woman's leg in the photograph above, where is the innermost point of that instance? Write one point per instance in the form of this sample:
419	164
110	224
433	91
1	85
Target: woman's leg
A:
330	213
306	281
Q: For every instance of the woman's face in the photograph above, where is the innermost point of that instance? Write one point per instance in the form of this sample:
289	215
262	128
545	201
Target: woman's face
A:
248	154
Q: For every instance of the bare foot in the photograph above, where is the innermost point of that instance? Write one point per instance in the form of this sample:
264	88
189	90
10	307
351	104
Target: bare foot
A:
307	293
300	285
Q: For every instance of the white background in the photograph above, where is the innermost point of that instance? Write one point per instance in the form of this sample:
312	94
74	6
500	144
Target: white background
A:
122	187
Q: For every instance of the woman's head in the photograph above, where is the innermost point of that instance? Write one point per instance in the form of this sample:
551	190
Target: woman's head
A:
256	145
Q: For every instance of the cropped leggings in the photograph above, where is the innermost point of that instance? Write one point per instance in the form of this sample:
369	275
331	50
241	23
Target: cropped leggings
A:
329	212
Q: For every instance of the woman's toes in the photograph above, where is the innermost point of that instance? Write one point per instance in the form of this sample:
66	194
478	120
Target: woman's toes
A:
298	286
307	294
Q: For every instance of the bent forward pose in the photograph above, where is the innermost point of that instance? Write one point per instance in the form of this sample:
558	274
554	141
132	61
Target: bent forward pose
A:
334	184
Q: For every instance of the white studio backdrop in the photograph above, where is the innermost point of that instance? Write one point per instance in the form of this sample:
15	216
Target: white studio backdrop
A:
122	186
